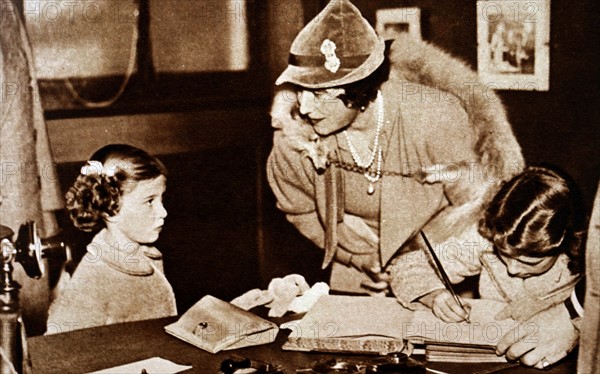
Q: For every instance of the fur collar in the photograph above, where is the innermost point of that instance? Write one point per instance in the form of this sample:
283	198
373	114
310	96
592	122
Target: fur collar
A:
420	62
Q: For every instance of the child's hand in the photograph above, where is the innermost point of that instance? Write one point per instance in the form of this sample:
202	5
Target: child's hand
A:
445	307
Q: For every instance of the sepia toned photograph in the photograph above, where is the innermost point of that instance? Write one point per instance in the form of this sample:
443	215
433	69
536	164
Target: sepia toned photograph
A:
513	44
299	186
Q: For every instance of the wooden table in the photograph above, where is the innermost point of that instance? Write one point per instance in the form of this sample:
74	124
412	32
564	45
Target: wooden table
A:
103	347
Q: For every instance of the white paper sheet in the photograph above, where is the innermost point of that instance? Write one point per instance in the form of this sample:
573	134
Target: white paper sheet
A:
152	365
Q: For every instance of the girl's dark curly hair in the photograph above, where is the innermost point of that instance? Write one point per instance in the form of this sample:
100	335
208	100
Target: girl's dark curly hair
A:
538	213
96	195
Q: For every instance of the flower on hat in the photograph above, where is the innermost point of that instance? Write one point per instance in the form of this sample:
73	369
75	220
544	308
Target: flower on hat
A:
93	167
332	62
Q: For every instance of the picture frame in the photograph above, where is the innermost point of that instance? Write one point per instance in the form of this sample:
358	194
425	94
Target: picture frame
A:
513	51
394	21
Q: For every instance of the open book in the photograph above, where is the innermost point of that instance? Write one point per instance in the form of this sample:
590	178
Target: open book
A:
215	325
382	325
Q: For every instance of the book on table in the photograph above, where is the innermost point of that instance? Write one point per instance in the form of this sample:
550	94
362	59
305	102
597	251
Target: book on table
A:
215	325
350	324
461	341
379	325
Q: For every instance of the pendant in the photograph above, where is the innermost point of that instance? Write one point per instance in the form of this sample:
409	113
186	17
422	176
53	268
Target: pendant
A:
371	189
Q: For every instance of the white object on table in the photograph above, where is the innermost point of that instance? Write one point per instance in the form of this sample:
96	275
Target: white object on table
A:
150	365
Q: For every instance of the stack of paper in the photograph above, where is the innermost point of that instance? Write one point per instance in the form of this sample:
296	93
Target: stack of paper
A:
461	342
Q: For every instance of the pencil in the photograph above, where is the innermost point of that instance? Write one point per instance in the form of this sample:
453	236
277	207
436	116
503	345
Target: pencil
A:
445	278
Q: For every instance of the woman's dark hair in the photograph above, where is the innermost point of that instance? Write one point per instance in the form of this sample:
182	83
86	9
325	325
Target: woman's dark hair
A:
538	213
359	94
111	171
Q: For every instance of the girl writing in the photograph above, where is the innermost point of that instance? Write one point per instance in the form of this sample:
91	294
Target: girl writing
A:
528	255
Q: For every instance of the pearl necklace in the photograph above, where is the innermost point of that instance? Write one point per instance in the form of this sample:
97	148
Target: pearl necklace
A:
372	177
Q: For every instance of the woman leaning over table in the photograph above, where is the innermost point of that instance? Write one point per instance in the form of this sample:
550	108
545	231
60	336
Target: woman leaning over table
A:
373	144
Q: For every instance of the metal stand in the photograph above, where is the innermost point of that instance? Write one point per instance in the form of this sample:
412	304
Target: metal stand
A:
27	250
9	315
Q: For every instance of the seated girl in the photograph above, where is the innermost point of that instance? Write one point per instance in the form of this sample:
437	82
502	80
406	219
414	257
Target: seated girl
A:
526	253
120	278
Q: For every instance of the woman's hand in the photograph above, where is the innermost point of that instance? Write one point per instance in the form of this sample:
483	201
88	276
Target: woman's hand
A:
543	340
380	283
369	264
445	307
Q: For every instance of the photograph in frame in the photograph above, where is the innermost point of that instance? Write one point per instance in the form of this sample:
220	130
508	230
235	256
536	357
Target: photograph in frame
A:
392	22
513	44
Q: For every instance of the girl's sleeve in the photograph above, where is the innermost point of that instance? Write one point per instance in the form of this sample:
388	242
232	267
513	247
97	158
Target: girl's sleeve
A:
413	272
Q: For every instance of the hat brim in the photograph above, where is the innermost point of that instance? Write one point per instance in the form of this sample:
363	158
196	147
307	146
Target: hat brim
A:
319	77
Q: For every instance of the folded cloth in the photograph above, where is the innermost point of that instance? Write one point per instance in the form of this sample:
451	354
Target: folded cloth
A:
284	291
290	293
303	303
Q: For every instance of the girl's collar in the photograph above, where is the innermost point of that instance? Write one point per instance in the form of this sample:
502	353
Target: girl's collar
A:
126	257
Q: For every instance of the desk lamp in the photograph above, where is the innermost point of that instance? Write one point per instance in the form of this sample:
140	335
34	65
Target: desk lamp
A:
27	250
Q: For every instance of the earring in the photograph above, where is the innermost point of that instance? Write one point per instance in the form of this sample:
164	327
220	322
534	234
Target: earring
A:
363	108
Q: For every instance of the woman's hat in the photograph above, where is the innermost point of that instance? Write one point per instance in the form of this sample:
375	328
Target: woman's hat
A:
337	47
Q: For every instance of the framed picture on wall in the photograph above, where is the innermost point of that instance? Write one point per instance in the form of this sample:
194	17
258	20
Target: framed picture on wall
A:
513	44
392	22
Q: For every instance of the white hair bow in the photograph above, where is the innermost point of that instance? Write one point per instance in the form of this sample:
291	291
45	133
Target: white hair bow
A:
93	167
